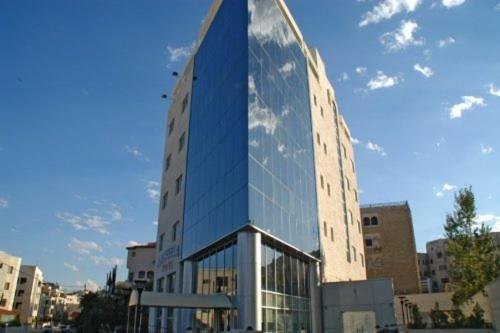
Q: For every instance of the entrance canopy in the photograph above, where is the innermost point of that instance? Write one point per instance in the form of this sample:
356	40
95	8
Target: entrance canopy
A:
187	301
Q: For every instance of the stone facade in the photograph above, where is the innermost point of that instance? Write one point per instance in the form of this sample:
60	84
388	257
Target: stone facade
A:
390	245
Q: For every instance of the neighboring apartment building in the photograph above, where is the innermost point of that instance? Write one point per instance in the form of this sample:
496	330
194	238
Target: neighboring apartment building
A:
52	303
425	274
439	263
9	272
390	245
141	262
267	207
28	294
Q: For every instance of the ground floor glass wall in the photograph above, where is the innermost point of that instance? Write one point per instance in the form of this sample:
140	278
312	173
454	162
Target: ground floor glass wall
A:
285	291
215	273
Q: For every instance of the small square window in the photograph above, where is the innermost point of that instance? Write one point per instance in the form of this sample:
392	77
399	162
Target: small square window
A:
325	228
185	103
368	242
171	126
322	182
164	201
175	231
328	189
315	100
324	149
182	141
322	113
160	242
178	184
331	234
167	161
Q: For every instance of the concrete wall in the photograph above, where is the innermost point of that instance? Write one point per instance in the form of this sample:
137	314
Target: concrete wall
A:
32	288
359	296
493	291
140	258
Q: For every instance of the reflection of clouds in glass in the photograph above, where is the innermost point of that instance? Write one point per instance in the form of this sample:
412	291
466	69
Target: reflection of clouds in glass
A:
271	25
253	143
285	111
258	115
287	69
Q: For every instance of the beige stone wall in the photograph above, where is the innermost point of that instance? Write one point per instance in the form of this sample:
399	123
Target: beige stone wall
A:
393	253
336	267
29	301
140	258
9	273
173	213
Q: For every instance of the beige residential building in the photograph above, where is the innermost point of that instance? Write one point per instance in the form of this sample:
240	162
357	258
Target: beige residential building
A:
9	272
141	262
425	274
390	245
28	294
52	303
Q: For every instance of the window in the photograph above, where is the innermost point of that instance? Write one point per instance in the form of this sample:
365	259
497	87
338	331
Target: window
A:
374	220
160	242
130	277
344	150
442	267
362	258
6	286
366	221
325	228
354	254
324	149
178	184
322	113
359	226
142	275
328	188
352	166
18	305
171	126
22	280
175	231
167	161
433	272
159	284
322	181
185	102
315	100
170	288
20	292
182	141
348	184
351	218
150	275
164	201
368	242
3	302
318	139
331	234
439	255
11	269
356	195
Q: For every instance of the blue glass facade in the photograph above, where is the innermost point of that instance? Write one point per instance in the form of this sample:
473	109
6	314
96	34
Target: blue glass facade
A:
282	190
216	200
250	150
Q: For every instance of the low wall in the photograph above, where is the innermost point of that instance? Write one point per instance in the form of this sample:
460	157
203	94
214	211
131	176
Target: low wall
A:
454	330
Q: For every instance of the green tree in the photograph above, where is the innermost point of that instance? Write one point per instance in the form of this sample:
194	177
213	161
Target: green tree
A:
101	310
439	318
475	260
476	319
418	321
457	317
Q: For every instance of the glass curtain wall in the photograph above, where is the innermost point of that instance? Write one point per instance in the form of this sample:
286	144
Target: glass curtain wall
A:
216	273
285	291
282	187
216	200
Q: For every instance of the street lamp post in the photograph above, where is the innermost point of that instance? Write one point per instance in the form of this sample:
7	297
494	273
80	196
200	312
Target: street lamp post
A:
139	286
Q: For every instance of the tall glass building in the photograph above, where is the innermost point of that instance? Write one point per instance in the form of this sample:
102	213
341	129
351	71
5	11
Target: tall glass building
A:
259	199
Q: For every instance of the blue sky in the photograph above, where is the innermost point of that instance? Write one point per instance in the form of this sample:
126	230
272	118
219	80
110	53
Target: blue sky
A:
82	122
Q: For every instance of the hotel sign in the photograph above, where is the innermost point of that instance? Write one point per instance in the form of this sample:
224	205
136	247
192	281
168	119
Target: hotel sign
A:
166	259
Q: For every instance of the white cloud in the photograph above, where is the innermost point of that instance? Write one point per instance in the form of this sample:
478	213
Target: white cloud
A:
446	188
155	222
382	81
376	148
179	53
85	221
425	71
452	3
402	37
100	260
490	219
71	267
388	8
445	42
497	7
259	116
468	103
132	243
343	77
287	69
355	141
88	284
134	151
270	27
486	149
84	247
153	190
361	70
4	203
253	143
493	91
